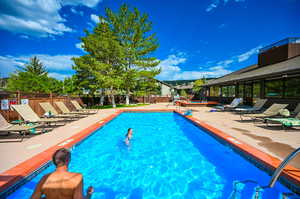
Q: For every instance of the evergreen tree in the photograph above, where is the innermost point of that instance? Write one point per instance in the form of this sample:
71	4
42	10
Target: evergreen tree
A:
102	66
33	77
133	32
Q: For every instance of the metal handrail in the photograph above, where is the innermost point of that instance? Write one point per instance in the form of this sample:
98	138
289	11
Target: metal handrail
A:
278	171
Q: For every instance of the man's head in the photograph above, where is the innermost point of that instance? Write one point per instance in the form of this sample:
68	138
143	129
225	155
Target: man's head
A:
61	157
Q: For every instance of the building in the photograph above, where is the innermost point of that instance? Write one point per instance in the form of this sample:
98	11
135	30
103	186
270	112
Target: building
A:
276	77
166	90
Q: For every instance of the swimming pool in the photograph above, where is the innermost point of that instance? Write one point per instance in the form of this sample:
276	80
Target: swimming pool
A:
170	157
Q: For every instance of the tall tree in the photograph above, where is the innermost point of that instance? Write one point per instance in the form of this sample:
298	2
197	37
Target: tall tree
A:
33	77
104	60
133	32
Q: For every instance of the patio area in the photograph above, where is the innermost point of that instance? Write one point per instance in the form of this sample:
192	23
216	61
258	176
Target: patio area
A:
272	140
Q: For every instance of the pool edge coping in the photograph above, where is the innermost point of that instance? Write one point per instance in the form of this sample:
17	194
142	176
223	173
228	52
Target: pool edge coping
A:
15	174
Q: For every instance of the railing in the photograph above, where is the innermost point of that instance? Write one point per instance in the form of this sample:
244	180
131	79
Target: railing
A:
280	43
278	171
239	185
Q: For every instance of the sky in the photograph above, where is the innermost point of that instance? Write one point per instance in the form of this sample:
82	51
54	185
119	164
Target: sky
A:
198	38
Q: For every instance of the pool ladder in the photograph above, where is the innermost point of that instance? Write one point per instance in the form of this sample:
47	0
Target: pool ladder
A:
239	185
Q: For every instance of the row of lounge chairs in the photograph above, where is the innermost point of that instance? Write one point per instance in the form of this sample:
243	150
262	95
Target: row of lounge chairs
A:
31	120
276	113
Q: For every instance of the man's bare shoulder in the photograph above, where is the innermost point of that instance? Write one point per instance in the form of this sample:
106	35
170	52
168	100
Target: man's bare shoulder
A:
75	177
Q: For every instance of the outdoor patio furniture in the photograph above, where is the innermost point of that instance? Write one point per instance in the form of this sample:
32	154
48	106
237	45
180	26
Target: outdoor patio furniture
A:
231	106
65	110
270	112
21	129
78	107
47	107
25	111
257	107
285	122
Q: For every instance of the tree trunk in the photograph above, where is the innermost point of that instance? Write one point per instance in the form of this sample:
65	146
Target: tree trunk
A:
113	101
127	97
101	100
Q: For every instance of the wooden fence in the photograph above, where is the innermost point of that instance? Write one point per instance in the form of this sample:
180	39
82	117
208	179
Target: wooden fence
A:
34	100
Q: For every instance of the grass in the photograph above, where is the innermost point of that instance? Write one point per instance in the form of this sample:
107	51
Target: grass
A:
118	106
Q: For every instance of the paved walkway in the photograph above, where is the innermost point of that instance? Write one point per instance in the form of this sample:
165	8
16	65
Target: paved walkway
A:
273	141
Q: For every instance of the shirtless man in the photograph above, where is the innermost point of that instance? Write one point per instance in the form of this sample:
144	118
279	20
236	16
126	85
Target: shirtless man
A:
61	184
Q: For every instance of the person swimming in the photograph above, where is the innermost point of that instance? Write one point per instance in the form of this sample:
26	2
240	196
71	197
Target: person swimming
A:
128	136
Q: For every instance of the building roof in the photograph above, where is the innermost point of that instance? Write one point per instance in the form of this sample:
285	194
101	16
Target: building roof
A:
179	87
164	83
255	72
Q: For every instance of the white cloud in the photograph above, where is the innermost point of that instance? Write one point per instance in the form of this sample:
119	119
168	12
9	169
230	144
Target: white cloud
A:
171	70
38	18
248	54
88	3
216	3
95	18
73	10
79	46
55	64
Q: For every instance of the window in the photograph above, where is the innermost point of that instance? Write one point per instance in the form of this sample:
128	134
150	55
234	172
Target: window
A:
256	90
228	91
214	91
274	88
292	87
241	90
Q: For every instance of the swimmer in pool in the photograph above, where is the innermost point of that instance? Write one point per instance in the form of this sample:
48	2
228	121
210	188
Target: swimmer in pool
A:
128	136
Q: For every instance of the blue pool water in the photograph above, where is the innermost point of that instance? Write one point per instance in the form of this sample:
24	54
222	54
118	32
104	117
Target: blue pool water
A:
169	158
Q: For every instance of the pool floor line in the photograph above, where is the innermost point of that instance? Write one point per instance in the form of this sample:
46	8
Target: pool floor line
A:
24	169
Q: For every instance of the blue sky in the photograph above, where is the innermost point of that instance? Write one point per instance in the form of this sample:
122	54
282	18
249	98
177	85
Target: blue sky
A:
197	37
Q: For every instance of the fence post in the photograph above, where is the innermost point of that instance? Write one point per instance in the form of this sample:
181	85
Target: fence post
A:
19	102
51	98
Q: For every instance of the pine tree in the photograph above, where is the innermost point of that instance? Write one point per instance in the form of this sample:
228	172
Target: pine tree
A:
133	32
103	63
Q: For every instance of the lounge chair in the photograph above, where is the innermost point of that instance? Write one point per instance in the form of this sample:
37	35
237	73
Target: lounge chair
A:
21	129
64	109
297	110
231	106
270	112
25	111
257	107
47	107
79	108
285	122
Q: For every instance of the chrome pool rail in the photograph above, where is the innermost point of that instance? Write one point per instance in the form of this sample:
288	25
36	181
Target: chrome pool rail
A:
279	169
258	191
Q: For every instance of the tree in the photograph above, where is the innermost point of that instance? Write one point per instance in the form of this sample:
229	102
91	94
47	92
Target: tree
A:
183	93
132	30
33	77
198	84
102	67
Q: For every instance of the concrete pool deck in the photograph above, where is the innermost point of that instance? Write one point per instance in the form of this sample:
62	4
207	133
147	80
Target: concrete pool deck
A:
273	141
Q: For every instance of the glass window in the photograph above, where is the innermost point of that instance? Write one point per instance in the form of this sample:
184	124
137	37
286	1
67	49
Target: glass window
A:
228	91
241	90
224	91
274	88
256	90
214	91
292	87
